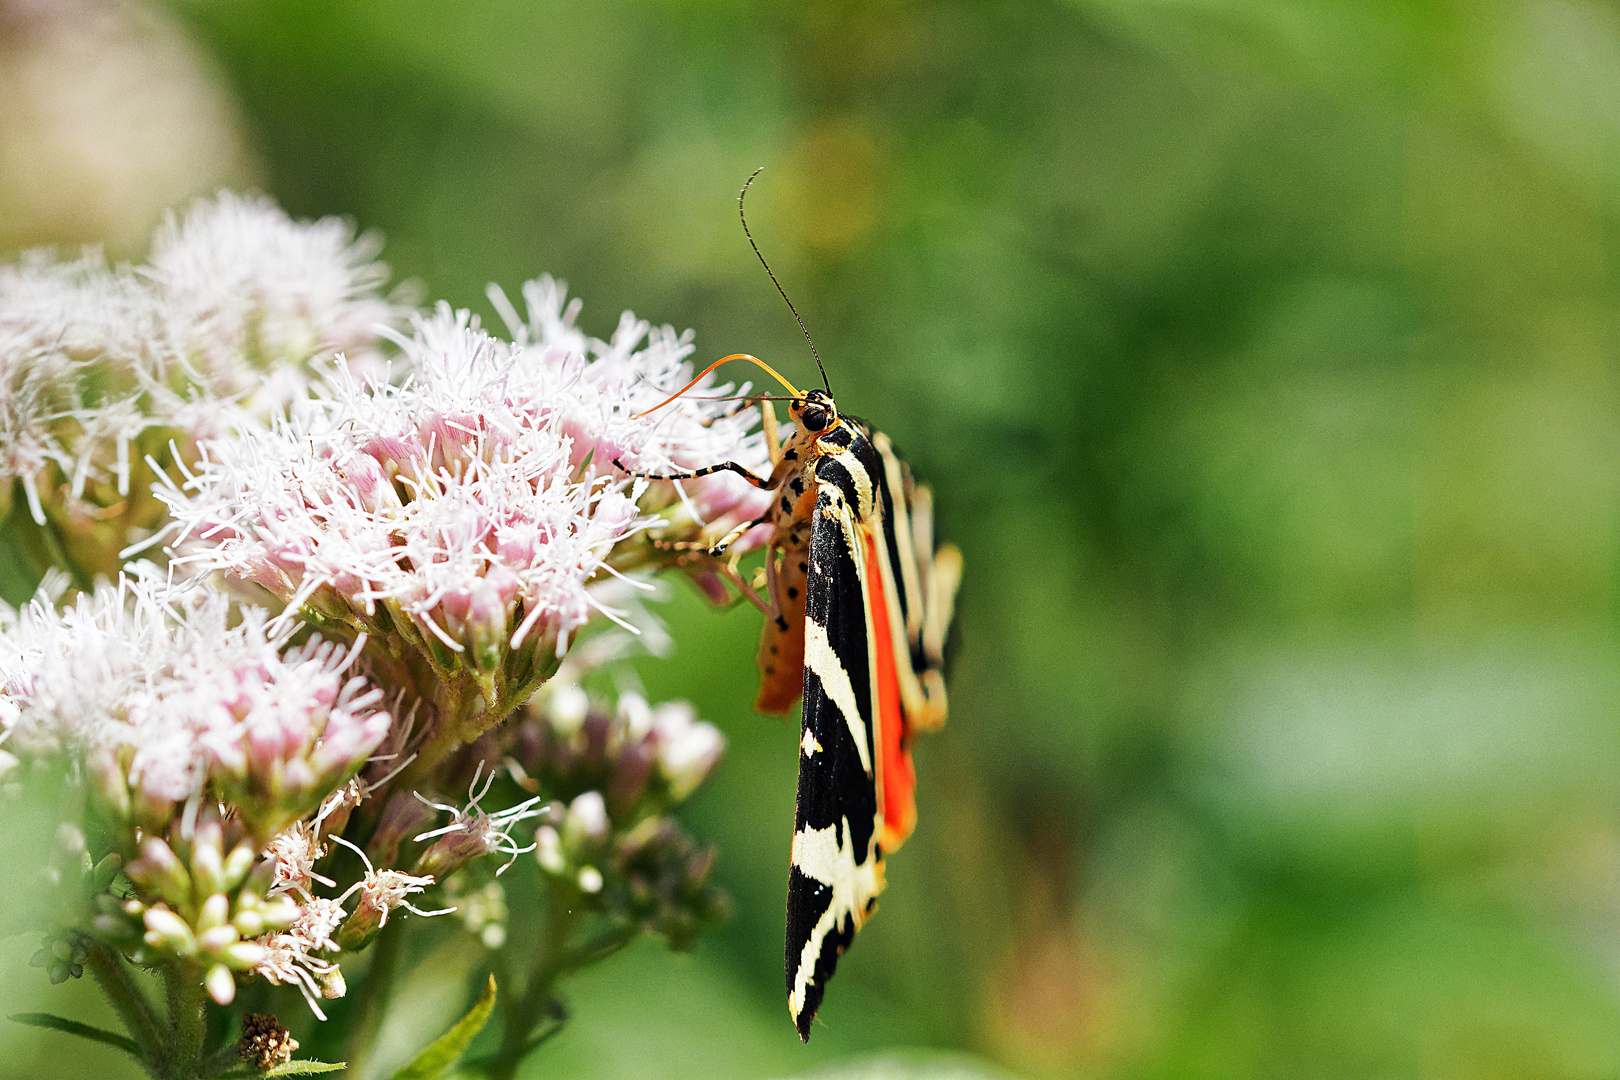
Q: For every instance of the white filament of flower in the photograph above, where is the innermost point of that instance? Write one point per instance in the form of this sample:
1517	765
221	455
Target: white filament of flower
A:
382	891
487	831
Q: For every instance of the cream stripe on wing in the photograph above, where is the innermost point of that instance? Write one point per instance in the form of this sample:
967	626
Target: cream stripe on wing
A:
819	658
858	476
828	856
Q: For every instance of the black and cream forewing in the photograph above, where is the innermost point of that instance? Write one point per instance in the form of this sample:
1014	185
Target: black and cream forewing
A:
837	869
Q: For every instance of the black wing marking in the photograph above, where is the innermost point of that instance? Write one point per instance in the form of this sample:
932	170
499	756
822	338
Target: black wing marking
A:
837	867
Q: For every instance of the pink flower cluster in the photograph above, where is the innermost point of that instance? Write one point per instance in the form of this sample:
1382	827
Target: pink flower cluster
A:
471	509
164	699
604	386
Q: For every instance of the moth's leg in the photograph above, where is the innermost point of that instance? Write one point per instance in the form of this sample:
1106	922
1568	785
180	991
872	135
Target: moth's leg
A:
730	573
773	442
678	545
723	545
772	588
760	482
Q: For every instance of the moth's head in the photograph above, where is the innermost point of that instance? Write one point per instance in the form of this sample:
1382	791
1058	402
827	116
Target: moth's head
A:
814	412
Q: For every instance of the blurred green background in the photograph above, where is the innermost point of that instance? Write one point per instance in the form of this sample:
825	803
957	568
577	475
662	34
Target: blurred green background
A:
1262	356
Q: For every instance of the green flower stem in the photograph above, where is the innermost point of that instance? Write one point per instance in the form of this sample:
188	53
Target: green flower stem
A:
374	993
549	962
132	1007
598	948
187	1022
51	534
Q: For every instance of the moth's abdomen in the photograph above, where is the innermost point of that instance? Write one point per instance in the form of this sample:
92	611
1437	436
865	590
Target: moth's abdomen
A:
781	644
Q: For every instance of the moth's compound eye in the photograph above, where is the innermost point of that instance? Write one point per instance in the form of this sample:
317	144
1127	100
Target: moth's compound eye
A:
814	418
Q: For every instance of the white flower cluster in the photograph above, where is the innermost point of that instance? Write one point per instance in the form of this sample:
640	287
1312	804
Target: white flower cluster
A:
162	697
256	292
237	300
474	507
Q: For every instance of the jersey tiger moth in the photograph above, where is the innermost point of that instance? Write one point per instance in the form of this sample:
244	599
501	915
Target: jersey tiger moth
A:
857	603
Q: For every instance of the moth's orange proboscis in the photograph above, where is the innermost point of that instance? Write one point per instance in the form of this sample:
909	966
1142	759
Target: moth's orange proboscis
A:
723	360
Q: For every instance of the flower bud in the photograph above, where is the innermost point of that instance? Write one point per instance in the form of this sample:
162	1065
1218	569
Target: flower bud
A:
688	749
636	715
244	955
278	913
489	613
700	866
403	816
597	732
236	866
548	851
108	785
215	912
529	745
567	708
166	930
450	853
103	873
159	873
587	821
220	984
217	938
370	484
630	775
207	865
331	982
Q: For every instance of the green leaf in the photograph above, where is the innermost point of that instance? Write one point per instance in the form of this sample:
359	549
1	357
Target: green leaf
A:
84	1031
291	1068
443	1052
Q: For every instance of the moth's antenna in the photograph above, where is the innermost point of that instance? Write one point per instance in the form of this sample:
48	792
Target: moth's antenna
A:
740	195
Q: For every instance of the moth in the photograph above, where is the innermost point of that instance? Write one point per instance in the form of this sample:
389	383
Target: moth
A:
857	602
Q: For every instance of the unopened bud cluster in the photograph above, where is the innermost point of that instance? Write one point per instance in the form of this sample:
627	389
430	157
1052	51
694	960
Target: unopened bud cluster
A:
616	773
196	899
640	758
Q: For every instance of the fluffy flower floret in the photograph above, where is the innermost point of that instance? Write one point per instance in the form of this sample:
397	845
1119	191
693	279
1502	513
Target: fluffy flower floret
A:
257	290
380	892
162	698
86	358
603	387
293	959
102	366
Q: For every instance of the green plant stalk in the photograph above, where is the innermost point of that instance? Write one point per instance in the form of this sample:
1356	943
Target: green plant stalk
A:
127	1000
187	1024
58	554
549	960
375	990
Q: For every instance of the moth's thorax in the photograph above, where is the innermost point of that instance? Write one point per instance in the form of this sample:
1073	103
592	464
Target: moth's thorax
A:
811	457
